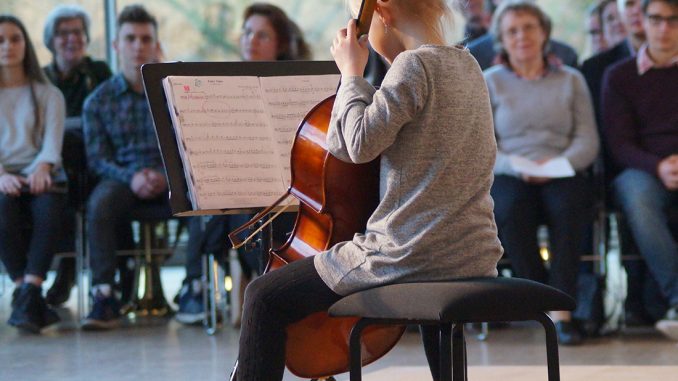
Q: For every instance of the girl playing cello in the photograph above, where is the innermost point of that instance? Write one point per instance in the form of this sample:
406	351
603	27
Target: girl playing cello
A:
431	124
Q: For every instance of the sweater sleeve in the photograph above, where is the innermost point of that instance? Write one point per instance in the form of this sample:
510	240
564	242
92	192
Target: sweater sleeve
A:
585	141
54	116
365	121
620	127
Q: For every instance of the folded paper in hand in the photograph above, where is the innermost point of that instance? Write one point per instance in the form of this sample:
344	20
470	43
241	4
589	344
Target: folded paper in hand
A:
554	168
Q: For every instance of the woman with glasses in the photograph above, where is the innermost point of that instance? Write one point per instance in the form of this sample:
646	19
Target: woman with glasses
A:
267	35
31	179
542	111
66	35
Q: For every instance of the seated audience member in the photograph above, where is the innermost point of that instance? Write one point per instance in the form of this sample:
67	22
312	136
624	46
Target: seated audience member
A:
477	20
613	28
267	35
485	51
32	182
594	30
640	111
541	111
285	42
594	67
122	151
643	300
66	35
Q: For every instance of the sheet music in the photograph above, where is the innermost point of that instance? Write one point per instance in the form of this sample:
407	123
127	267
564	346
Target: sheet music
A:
235	133
288	100
554	168
225	142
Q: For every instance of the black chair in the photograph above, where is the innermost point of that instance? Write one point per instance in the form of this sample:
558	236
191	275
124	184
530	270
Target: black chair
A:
454	303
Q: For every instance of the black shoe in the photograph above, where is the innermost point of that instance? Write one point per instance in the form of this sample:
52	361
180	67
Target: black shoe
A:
60	291
568	333
15	296
105	313
30	312
634	319
191	306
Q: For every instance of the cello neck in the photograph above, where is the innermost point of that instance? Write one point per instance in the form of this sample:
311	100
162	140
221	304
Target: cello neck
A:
365	16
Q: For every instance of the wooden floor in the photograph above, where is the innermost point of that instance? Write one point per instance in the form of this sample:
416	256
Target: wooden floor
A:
168	351
531	373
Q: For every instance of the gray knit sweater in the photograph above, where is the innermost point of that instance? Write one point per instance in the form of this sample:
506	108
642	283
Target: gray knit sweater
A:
544	118
20	150
431	123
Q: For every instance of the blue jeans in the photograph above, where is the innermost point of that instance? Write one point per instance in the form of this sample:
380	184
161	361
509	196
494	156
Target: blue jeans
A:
41	215
108	208
645	201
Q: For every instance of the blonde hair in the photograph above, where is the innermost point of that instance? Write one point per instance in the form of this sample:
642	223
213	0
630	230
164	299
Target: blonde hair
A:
421	11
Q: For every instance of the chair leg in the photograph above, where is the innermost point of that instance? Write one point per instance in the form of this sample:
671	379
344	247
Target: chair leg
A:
458	353
2	280
355	360
210	293
484	331
206	280
551	346
445	351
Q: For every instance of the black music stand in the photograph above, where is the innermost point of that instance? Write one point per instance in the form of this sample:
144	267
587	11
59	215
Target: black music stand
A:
153	74
180	203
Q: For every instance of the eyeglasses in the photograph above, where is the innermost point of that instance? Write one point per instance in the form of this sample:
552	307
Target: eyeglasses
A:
595	32
657	20
259	35
513	32
64	33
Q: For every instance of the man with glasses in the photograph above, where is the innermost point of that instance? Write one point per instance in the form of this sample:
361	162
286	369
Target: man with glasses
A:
640	113
594	29
594	67
66	35
643	303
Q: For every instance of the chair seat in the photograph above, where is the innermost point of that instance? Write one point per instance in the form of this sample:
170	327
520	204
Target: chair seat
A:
151	211
463	300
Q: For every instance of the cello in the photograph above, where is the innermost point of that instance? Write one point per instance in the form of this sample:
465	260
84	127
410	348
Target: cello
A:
336	200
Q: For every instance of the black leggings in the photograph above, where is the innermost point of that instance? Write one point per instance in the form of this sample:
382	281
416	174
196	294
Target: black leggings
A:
282	297
272	302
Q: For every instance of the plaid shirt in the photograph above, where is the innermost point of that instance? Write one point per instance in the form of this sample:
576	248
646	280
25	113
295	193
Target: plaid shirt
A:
119	134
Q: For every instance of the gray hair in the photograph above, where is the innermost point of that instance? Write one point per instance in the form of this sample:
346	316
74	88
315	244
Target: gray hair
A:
527	6
61	13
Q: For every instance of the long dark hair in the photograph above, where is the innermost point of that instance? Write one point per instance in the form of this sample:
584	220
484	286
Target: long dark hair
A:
30	62
291	43
32	71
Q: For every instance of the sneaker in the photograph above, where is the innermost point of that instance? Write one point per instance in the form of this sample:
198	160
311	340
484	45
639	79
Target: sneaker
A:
191	306
568	333
105	312
669	324
29	311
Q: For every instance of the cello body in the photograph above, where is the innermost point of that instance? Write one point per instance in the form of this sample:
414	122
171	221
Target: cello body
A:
336	198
